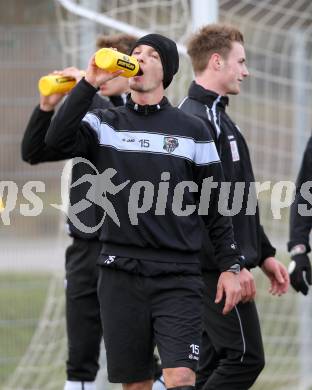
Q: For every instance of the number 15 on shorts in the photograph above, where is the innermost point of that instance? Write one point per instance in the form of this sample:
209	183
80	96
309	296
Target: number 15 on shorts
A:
194	355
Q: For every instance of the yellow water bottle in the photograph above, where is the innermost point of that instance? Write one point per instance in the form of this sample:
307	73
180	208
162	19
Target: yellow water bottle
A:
112	60
53	83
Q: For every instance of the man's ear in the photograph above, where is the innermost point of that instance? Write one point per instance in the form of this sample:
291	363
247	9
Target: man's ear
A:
216	61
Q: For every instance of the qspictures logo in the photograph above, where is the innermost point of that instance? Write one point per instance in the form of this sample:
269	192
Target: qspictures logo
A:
147	197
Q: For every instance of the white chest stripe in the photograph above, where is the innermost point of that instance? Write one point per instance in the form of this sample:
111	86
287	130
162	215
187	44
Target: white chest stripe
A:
93	121
201	153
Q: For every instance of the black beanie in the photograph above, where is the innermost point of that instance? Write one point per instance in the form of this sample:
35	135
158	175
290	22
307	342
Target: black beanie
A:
168	52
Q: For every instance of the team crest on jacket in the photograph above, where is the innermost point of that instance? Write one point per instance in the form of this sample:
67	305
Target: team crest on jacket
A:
170	144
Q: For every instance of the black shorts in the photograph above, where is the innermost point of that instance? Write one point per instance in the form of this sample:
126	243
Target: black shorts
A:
231	348
83	321
138	312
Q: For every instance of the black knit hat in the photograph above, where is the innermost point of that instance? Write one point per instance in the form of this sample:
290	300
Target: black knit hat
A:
168	52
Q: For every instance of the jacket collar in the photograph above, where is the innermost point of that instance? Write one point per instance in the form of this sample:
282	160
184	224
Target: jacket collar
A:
207	97
147	109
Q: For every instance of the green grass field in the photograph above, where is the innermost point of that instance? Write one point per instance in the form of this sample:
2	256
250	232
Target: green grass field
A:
22	296
22	300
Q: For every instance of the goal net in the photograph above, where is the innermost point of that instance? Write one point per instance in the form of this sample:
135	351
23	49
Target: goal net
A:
273	113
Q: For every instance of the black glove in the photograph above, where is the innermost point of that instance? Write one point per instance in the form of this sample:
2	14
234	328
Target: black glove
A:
300	273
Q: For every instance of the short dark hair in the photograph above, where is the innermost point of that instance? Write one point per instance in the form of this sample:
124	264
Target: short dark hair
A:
122	42
213	38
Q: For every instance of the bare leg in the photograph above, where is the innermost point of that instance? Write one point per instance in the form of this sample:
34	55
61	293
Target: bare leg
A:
145	385
180	376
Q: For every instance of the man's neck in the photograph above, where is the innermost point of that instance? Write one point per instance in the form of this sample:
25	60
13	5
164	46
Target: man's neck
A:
210	83
147	98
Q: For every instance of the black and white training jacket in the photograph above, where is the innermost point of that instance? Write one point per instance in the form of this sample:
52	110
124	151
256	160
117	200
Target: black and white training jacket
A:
35	151
301	225
139	147
251	239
